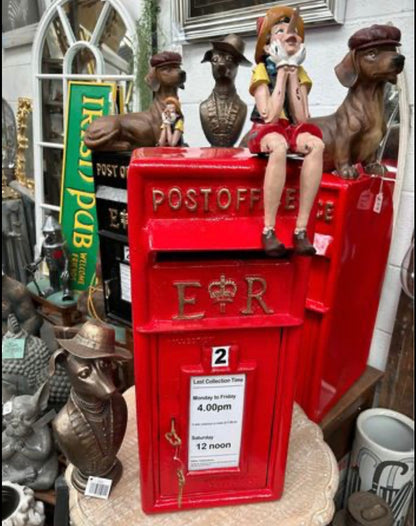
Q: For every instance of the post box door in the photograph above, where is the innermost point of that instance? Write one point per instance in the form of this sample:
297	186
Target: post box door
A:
232	419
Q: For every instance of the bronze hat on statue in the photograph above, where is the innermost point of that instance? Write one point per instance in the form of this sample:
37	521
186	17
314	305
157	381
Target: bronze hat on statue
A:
232	44
94	340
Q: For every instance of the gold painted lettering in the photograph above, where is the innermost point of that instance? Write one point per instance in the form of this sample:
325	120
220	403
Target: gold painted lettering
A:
227	203
90	115
113	218
175	204
83	150
82	240
78	224
158	198
255	194
206	193
85	200
258	295
329	211
123	171
290	196
183	300
241	196
190	201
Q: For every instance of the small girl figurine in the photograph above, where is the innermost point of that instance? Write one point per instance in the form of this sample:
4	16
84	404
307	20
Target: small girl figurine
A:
172	124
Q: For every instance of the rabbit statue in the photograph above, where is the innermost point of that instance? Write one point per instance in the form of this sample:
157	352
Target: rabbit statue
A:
28	452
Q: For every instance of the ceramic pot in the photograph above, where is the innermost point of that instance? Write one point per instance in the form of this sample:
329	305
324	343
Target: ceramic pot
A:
382	459
364	509
19	507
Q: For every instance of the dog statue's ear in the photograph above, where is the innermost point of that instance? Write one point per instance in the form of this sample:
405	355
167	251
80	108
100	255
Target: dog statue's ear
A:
346	70
59	354
151	80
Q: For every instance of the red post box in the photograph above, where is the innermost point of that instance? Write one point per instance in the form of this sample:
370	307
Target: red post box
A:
216	327
352	235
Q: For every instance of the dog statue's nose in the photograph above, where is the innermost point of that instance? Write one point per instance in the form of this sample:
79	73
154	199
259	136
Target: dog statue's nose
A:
399	61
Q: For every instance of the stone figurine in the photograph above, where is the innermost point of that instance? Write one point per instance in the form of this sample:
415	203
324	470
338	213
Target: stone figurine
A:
55	253
28	453
171	133
223	113
25	374
353	133
90	427
280	87
133	130
15	299
19	507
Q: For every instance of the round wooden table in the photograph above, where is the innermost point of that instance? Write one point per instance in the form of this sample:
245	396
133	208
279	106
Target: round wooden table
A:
310	485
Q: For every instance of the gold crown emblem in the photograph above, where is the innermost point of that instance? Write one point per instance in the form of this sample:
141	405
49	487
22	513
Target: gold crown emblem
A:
222	291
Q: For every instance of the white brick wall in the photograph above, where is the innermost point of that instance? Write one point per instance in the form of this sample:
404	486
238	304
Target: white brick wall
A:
326	46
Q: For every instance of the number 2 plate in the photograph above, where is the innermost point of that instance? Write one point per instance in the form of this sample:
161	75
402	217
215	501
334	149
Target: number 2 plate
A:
220	356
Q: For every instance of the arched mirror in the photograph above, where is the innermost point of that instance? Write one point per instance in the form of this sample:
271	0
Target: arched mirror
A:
76	40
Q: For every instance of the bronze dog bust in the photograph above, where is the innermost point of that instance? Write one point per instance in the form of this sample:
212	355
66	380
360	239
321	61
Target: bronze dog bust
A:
223	114
133	130
353	133
90	427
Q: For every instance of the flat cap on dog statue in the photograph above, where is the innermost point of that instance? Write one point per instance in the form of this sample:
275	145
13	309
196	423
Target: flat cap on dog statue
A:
353	133
134	130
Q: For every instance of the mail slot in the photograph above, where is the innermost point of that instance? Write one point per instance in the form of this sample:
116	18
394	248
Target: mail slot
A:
216	327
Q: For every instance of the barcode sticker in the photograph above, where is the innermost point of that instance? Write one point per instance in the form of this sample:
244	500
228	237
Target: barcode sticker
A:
7	408
378	202
98	487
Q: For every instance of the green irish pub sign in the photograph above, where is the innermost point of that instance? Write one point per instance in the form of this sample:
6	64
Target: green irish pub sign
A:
86	102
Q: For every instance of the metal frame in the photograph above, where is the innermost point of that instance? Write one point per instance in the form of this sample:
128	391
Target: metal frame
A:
74	47
22	35
314	12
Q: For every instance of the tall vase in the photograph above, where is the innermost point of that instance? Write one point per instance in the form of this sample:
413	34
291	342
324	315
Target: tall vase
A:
382	459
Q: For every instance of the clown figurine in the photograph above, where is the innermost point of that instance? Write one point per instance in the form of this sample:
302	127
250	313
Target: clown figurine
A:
172	123
280	87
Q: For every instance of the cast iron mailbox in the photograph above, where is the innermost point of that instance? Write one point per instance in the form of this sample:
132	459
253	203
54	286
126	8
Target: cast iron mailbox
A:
216	327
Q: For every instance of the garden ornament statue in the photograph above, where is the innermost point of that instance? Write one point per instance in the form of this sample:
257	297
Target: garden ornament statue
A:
90	427
55	253
15	299
26	371
353	133
223	113
171	133
133	130
28	453
19	507
280	87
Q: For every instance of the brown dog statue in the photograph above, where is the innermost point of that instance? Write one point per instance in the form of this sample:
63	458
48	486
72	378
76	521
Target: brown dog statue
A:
133	130
353	133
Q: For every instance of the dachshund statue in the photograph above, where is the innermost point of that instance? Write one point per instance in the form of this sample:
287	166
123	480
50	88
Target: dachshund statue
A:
133	130
353	133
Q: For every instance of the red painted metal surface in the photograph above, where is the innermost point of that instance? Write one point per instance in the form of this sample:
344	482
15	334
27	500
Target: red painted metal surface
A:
200	280
344	288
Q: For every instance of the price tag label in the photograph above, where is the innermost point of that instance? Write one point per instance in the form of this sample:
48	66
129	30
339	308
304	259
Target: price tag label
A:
13	348
378	203
7	408
98	487
125	282
216	417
